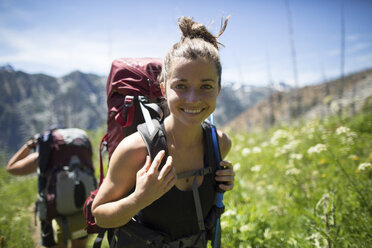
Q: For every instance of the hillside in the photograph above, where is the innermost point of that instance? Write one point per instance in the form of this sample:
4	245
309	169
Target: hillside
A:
30	103
235	98
336	97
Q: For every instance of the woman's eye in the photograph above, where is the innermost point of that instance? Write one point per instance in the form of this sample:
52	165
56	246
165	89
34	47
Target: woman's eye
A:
180	86
207	86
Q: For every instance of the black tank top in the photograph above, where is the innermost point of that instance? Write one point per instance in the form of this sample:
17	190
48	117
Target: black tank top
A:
174	213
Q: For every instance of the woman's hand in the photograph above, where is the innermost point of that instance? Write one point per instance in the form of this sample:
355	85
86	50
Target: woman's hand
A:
31	143
226	176
151	183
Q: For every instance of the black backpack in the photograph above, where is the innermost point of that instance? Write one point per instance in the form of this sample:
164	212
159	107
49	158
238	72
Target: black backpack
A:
65	176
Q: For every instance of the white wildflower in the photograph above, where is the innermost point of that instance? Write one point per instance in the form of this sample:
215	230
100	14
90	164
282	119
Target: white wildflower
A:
364	166
224	224
251	141
240	137
238	147
256	168
347	140
279	134
267	233
246	151
269	187
310	132
245	228
291	145
318	148
335	106
317	239
229	212
342	130
293	242
256	149
296	156
292	171
347	136
279	151
265	144
236	166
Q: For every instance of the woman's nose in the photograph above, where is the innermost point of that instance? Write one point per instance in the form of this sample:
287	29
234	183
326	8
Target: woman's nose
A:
192	96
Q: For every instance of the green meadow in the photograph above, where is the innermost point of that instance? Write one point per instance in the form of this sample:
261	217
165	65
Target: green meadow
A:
307	185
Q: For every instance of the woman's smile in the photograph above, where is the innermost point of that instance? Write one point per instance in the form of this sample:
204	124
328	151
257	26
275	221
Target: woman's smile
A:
192	110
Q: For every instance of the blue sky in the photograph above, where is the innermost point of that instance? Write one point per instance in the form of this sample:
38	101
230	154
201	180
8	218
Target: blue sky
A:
57	37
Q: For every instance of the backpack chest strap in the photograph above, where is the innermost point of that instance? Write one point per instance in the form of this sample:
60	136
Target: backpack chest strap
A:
195	191
200	172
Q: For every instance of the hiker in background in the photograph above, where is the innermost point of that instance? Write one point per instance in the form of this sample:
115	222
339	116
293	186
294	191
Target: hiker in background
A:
163	201
27	160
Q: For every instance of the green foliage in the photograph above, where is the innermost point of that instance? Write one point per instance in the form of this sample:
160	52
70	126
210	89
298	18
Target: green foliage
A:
95	139
307	186
17	195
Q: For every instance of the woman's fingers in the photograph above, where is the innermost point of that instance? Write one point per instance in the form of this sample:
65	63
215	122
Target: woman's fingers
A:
147	165
166	168
157	161
166	177
226	175
226	187
168	174
225	164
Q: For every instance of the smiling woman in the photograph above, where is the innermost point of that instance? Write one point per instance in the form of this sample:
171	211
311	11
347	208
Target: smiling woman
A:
192	89
172	205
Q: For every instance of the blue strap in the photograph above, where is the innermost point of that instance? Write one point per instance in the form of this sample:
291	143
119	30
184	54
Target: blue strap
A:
219	202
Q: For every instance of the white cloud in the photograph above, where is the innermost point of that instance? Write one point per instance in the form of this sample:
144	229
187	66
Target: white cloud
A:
58	53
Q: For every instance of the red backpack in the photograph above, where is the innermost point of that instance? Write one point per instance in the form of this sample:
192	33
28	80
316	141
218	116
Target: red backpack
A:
134	102
133	97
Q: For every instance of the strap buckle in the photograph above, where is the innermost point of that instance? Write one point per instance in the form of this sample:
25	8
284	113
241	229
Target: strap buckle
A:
128	101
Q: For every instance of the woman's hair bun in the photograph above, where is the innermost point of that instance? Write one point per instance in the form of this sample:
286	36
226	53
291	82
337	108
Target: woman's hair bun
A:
191	30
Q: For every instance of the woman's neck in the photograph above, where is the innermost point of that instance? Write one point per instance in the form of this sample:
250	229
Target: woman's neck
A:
183	136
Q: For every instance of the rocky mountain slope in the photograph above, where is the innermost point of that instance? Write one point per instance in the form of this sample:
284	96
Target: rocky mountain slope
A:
337	97
30	103
235	98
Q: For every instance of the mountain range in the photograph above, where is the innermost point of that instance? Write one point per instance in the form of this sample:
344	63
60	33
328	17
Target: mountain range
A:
31	103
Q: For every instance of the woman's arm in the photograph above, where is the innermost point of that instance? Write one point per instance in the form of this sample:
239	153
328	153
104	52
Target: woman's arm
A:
22	162
226	174
224	142
129	166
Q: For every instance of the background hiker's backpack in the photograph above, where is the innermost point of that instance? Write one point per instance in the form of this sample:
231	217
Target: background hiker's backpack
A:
133	97
65	173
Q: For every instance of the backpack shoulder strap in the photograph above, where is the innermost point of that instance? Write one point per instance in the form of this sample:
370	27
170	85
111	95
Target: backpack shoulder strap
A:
156	141
212	145
44	148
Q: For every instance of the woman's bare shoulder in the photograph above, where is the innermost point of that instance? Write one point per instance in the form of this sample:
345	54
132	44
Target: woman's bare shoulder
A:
130	152
224	142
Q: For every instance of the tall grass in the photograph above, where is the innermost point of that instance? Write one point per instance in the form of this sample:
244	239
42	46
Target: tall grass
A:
303	186
17	194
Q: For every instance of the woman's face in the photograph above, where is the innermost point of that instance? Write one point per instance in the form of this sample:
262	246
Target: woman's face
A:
191	90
